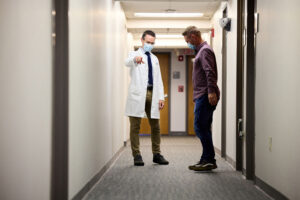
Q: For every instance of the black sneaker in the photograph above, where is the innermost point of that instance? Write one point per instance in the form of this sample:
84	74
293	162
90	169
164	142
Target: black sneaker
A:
203	166
159	159
138	160
193	167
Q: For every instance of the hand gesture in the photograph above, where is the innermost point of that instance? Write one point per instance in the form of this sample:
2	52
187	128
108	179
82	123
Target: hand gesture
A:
139	60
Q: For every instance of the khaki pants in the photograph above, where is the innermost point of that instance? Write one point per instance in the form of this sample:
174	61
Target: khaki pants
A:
135	123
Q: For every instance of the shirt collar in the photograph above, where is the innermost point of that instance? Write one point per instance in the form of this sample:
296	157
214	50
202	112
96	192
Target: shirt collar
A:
200	46
142	50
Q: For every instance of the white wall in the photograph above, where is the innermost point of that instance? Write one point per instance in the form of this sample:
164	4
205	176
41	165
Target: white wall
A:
25	90
119	83
217	47
178	99
277	96
130	47
231	81
231	78
98	38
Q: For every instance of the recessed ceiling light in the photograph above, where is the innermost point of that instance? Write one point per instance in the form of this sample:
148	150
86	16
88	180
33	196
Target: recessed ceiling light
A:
168	14
167	36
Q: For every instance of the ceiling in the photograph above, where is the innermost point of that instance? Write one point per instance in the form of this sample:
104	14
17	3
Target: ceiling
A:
137	25
207	7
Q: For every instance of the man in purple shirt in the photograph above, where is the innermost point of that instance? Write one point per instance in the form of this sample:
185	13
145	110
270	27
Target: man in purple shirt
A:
206	95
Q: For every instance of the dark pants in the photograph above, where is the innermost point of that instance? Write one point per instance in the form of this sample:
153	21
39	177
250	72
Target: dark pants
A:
203	113
135	123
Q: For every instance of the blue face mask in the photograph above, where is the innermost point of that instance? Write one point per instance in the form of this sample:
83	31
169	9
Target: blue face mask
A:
191	46
148	47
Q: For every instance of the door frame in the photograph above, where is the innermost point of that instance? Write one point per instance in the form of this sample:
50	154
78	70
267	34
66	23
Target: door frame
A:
187	69
249	132
250	91
60	101
224	88
239	84
169	90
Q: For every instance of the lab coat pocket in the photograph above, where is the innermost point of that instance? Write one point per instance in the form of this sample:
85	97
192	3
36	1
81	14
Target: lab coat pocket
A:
134	93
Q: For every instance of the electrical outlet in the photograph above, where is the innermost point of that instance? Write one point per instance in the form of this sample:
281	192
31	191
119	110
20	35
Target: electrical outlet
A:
270	144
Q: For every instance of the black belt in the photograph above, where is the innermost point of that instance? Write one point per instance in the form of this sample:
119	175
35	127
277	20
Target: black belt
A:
150	88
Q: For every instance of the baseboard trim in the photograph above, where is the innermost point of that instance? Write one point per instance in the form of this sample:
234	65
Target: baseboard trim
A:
272	192
218	151
227	158
231	161
244	171
178	133
80	195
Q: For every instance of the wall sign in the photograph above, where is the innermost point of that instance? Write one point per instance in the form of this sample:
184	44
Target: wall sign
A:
180	58
180	88
176	75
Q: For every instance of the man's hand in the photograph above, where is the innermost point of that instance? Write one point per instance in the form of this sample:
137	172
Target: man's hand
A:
161	104
139	60
212	98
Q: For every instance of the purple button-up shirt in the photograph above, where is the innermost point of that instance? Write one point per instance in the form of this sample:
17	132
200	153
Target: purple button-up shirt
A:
205	73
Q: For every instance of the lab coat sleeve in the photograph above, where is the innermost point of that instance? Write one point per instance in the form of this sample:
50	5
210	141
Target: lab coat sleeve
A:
130	60
161	86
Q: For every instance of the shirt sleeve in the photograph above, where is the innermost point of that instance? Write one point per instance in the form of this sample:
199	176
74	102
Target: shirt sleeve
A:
210	68
130	61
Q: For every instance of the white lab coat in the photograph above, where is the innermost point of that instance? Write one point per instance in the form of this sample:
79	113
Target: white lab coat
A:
136	99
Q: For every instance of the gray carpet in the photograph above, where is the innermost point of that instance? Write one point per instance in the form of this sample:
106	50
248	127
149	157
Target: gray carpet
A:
124	181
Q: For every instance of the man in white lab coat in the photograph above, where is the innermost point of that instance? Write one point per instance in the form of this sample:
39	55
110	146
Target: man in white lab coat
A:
145	95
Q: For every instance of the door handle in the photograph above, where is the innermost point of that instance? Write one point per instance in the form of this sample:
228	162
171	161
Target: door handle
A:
240	127
166	95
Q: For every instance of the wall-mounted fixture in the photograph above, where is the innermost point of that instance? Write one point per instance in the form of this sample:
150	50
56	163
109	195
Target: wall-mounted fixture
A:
225	23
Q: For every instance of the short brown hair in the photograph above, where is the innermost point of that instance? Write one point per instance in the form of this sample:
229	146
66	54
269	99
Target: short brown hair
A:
191	30
148	32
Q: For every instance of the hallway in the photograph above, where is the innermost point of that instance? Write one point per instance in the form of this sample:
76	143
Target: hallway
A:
175	181
65	84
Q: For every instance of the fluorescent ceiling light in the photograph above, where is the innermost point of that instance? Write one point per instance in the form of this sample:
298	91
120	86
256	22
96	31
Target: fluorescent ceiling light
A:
169	36
168	14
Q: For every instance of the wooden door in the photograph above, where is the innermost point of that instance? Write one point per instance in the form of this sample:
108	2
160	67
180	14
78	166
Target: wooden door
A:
190	97
164	114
